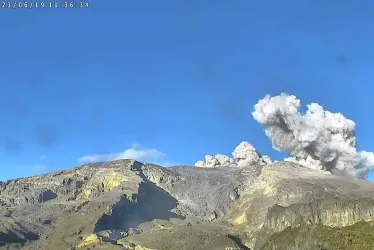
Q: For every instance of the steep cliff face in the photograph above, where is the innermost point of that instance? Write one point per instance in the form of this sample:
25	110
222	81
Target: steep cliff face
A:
129	205
321	224
332	212
287	195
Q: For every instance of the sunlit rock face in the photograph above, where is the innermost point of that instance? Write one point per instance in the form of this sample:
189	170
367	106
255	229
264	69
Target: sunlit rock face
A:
129	204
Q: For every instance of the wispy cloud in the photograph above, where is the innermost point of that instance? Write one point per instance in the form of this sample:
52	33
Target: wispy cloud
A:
135	153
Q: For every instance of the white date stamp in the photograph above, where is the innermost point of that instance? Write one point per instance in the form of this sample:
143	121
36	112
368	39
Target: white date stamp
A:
45	4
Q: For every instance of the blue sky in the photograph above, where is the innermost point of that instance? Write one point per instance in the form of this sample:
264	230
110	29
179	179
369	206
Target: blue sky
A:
173	80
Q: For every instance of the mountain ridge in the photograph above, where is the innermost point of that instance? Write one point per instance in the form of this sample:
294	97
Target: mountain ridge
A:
126	204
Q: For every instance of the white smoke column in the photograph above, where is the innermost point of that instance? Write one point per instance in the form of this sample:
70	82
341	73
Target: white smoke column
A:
224	160
266	160
244	155
218	160
318	139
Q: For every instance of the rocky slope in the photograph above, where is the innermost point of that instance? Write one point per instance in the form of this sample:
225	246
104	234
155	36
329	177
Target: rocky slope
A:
129	205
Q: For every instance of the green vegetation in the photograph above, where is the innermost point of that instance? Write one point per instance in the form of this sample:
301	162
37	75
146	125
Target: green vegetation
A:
359	236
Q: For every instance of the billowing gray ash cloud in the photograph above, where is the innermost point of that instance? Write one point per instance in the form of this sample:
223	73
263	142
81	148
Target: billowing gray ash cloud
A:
244	155
318	139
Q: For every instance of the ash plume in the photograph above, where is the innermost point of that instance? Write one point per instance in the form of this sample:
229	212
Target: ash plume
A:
243	155
318	139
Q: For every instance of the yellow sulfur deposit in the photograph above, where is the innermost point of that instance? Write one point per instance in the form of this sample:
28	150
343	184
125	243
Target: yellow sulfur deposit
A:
91	239
241	219
113	181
